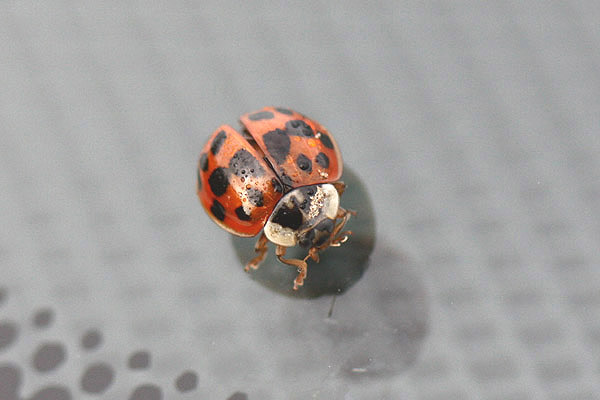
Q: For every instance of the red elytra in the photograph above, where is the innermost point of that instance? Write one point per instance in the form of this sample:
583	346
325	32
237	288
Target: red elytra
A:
243	175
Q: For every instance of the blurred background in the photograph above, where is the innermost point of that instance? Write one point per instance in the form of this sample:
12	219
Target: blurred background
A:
472	129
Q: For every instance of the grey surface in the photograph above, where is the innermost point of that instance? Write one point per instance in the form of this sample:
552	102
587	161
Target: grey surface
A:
474	125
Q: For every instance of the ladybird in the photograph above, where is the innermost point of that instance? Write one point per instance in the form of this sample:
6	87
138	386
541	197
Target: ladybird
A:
280	175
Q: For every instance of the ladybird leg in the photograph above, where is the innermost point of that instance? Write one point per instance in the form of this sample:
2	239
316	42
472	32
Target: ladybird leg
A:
340	187
342	212
299	264
339	238
342	238
261	249
313	253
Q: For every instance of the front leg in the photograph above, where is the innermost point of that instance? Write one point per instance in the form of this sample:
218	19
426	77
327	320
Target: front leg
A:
261	249
299	264
338	237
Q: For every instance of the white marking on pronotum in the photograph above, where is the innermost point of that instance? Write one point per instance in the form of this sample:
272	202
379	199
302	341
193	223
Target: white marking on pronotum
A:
323	204
316	203
279	235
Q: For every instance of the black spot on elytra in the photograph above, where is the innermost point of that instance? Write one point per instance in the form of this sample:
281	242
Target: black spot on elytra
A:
255	197
322	160
241	214
257	116
304	163
218	210
284	111
203	162
218	142
244	164
218	181
288	217
278	144
199	181
324	138
298	127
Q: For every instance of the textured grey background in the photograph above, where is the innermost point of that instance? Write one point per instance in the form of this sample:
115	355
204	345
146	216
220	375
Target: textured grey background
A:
474	126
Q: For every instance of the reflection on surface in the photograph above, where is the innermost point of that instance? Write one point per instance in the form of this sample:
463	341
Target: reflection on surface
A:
383	321
373	334
339	267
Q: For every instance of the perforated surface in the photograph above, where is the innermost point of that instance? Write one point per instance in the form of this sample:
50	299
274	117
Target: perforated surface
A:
474	126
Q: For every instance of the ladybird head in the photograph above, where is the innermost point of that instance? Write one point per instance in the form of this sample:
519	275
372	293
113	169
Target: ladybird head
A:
305	216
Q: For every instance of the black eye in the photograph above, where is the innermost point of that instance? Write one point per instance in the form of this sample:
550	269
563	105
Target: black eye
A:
304	242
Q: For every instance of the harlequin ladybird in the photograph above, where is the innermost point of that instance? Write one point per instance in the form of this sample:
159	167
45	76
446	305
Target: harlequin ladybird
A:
279	175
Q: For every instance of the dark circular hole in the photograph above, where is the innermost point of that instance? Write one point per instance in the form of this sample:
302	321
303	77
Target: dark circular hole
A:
238	396
43	318
97	378
52	393
139	360
146	392
10	381
187	381
8	333
49	356
91	339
